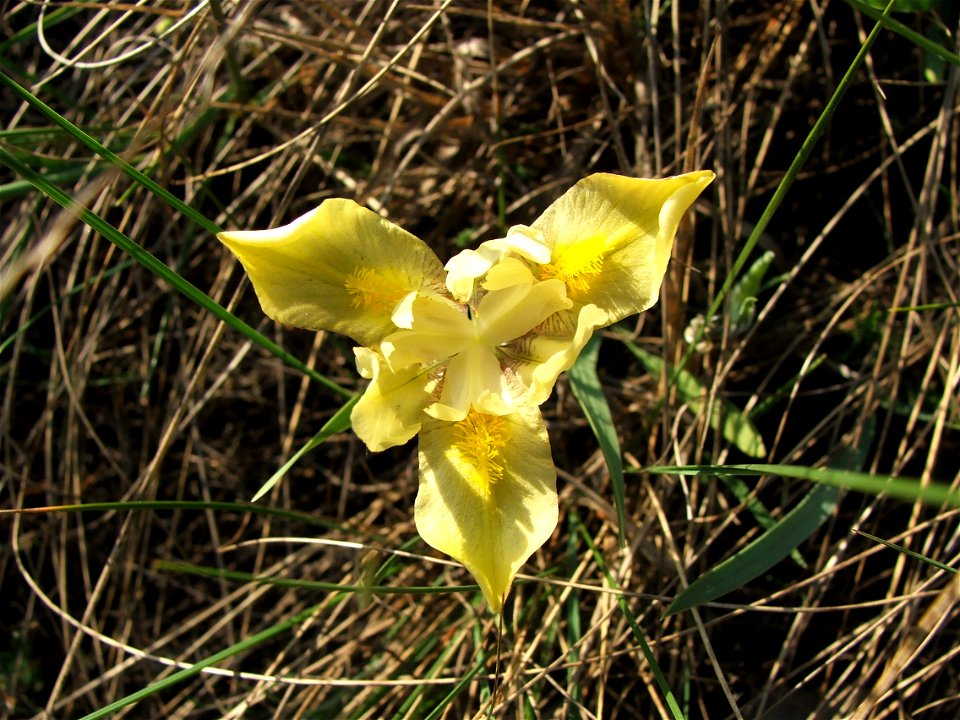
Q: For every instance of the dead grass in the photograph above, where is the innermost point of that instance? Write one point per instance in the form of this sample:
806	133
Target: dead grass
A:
447	118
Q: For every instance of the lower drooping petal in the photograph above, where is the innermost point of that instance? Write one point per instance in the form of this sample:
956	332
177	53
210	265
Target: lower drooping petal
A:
390	410
488	493
340	267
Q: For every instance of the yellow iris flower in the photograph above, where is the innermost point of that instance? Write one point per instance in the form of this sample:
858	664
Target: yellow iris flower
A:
464	354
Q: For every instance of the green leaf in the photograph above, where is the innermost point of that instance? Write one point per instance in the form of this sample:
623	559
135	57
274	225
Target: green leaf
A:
912	35
725	417
763	553
799	160
741	491
586	388
743	296
243	646
906	6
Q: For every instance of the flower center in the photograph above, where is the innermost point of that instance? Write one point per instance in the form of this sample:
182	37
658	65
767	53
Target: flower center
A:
479	439
381	289
576	264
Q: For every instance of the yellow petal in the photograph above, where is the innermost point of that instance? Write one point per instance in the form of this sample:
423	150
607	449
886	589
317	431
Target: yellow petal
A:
507	273
540	357
506	314
612	236
488	494
391	408
463	269
474	379
467	266
433	328
340	267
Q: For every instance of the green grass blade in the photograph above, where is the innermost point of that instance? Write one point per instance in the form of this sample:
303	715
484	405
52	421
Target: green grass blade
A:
586	388
806	149
339	423
155	266
763	553
454	691
901	29
91	143
910	489
907	551
306	518
665	690
725	417
187	673
243	577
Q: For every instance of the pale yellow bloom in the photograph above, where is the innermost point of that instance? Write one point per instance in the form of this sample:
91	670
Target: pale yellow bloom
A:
464	354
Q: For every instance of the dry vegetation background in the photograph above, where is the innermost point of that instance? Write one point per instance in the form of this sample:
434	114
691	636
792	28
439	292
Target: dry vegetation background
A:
448	118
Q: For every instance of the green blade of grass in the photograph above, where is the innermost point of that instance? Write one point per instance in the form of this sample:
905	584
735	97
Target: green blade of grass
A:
455	690
586	388
243	577
799	160
761	554
151	263
104	152
195	669
910	489
339	423
907	551
179	505
901	29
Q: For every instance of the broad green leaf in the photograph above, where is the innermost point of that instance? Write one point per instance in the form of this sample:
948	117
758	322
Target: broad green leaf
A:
725	417
763	553
741	491
586	388
782	537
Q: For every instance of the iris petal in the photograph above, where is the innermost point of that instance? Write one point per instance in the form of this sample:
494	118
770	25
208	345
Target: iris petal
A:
487	494
390	410
340	267
612	236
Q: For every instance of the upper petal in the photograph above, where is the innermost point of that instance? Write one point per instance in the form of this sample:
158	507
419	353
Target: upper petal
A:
433	328
508	313
611	238
487	493
340	267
